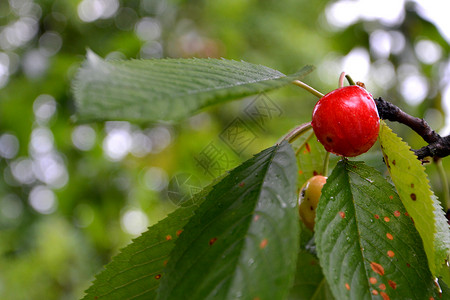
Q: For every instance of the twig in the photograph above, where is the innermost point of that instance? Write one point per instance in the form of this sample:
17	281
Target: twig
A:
437	146
389	111
440	148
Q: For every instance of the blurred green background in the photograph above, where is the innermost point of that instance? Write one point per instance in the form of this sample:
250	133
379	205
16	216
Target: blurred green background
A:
71	195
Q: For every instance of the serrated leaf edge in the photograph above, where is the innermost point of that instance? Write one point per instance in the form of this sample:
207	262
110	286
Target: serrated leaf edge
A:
437	211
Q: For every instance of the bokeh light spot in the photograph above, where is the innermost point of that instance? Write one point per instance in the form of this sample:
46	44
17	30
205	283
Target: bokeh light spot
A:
141	144
83	137
148	29
117	143
22	170
50	169
357	64
4	69
341	14
50	43
134	221
42	199
380	43
155	179
92	10
44	108
34	63
41	141
428	51
9	146
414	89
161	138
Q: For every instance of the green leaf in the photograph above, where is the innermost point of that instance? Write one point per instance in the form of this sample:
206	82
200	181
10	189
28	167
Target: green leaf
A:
365	241
445	275
167	89
414	190
309	283
135	272
311	157
243	240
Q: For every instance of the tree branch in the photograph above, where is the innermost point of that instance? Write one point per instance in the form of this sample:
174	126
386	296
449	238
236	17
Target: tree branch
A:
437	146
440	148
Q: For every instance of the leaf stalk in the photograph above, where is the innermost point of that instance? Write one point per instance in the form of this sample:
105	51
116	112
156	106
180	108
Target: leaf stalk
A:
297	132
308	88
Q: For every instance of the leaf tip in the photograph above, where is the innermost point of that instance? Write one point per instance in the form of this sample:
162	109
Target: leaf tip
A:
92	58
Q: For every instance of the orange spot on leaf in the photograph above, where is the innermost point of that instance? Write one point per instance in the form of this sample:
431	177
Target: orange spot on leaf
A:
376	216
307	147
372	280
179	232
397	213
413	197
347	286
242	184
406	214
391	197
377	268
392	284
168	237
382	286
263	244
386	219
342	214
300	172
408	265
165	262
375	292
212	241
158	276
385	296
390	253
256	218
389	236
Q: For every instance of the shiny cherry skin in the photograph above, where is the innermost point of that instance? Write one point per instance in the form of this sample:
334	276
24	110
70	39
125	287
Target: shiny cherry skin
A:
309	198
346	121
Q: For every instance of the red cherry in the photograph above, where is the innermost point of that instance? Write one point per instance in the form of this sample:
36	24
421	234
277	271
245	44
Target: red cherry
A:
346	121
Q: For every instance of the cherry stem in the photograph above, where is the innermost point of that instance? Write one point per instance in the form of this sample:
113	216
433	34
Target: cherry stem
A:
325	164
350	80
304	143
308	88
297	132
443	177
341	79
